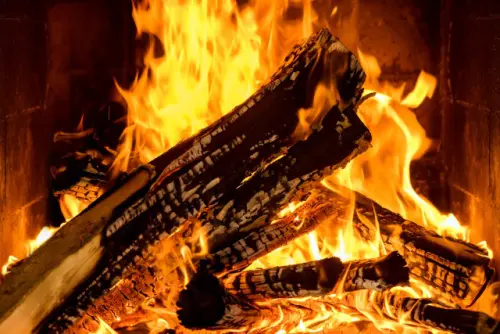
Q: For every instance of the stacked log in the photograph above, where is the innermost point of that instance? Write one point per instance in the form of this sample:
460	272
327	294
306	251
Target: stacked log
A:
235	175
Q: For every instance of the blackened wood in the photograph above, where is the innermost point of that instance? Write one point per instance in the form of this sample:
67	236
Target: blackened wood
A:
319	278
200	172
457	269
254	203
311	212
422	313
207	303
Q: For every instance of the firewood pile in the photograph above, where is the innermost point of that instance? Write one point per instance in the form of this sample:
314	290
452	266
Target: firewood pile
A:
232	181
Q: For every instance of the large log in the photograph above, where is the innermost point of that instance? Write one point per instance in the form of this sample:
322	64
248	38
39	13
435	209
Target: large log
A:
208	303
254	143
457	270
340	147
39	283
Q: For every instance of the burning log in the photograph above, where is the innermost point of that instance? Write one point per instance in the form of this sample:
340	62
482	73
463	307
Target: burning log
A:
321	151
59	265
319	278
207	303
459	270
314	210
254	149
422	312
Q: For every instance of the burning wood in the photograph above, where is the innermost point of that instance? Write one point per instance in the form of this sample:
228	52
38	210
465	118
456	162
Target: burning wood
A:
319	278
459	270
231	305
314	210
237	173
422	312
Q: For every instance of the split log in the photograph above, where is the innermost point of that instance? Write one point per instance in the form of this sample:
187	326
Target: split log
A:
241	148
40	282
207	303
313	210
458	270
319	278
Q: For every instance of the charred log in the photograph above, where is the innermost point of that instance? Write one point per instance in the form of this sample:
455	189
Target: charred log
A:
459	270
423	313
314	209
319	278
240	151
208	303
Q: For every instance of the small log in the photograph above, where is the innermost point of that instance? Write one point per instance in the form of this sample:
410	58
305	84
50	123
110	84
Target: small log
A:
206	303
209	304
243	145
458	270
319	278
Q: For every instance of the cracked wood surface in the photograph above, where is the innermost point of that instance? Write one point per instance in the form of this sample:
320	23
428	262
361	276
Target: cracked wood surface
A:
423	313
458	270
318	278
210	304
254	143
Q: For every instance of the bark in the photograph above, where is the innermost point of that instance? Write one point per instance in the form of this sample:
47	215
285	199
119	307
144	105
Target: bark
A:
249	152
314	210
319	278
422	313
207	303
458	270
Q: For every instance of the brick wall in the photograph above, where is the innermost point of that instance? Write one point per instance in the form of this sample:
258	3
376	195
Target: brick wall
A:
24	150
58	59
470	87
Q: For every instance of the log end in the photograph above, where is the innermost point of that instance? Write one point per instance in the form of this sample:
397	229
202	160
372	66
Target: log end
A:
201	303
393	270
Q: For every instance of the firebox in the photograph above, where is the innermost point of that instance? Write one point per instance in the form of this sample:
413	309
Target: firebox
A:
249	166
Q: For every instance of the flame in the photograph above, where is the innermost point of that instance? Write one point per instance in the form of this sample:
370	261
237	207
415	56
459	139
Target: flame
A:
104	328
70	206
213	56
40	239
6	267
207	57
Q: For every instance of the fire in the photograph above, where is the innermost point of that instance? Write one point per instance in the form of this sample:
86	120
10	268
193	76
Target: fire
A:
104	328
208	57
70	206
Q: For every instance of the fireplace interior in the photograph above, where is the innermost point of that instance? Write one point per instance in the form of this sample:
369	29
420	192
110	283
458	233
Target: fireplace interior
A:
81	115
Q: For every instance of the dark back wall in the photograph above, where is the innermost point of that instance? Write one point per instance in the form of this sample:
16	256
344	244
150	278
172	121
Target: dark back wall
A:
24	148
470	92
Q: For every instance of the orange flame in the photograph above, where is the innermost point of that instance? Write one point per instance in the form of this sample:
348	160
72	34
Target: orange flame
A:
208	57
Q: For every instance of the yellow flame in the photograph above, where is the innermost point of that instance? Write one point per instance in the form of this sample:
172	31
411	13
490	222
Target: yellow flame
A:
70	206
6	267
104	328
40	239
